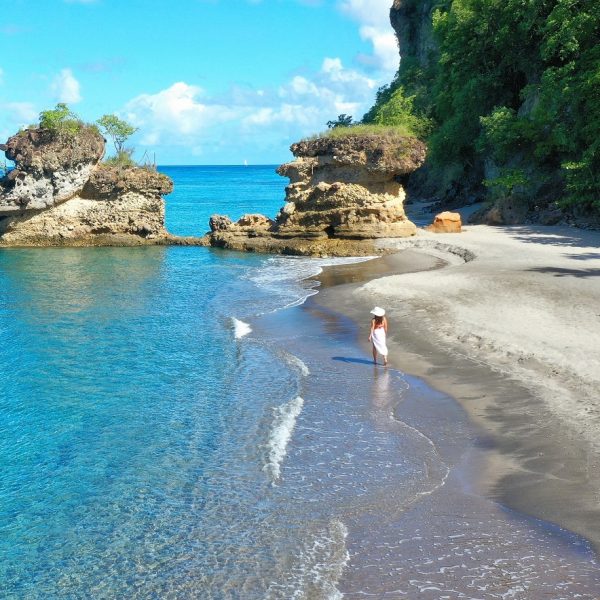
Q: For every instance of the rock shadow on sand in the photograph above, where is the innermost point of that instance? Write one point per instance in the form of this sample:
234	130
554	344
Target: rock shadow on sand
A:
562	272
555	236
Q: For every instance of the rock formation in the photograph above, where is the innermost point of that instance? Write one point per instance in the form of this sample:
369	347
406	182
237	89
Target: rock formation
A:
59	194
446	222
344	192
412	20
49	168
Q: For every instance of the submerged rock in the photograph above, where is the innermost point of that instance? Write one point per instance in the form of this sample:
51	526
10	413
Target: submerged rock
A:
60	194
344	193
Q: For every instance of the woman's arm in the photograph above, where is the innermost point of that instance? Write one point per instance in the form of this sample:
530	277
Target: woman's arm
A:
385	324
372	327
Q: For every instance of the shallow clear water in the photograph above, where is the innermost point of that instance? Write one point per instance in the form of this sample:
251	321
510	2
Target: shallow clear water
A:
226	190
168	429
141	433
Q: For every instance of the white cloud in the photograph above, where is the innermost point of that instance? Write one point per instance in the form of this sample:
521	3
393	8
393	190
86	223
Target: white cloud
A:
184	115
23	112
66	88
310	103
385	48
368	12
175	112
244	120
374	19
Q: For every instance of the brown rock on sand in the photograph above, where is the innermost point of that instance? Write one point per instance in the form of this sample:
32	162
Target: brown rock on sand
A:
446	222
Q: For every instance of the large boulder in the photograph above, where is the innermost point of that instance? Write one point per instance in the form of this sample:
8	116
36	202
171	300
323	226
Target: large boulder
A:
446	222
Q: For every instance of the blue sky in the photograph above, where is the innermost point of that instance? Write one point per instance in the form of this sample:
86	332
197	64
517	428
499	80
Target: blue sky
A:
206	81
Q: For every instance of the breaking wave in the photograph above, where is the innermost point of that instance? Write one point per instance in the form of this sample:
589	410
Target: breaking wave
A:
284	421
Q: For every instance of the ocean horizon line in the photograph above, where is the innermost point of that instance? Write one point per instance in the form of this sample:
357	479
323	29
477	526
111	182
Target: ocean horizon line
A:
225	165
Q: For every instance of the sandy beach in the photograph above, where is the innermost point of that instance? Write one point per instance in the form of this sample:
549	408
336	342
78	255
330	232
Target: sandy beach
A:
510	328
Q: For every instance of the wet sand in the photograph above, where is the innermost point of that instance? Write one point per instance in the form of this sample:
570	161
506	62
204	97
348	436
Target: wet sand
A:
531	458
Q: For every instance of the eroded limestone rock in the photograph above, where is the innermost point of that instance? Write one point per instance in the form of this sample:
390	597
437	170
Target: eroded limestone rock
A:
107	181
49	167
341	188
59	194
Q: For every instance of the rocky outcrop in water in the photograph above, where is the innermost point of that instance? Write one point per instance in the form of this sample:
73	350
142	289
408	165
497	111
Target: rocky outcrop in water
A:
344	193
49	168
60	194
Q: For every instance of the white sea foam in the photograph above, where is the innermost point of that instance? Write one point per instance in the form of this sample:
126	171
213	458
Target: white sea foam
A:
341	558
281	432
240	329
318	566
297	363
288	278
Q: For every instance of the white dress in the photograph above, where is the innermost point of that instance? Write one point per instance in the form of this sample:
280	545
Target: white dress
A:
378	339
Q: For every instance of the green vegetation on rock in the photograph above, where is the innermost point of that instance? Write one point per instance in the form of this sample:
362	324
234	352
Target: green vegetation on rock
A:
122	160
61	120
116	129
506	92
366	130
119	131
398	110
343	120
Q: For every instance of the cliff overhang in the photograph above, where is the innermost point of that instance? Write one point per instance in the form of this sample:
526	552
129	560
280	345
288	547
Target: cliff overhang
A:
345	192
60	194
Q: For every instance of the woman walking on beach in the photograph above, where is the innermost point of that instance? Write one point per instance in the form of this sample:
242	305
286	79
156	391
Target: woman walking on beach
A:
378	334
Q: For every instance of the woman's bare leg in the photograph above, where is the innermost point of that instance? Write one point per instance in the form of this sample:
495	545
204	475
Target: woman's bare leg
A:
374	355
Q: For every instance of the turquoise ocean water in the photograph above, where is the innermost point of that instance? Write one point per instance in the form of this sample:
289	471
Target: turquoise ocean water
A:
140	440
176	422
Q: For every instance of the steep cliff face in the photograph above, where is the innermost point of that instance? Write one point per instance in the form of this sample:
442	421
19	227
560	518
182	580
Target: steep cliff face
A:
344	193
412	22
511	91
60	194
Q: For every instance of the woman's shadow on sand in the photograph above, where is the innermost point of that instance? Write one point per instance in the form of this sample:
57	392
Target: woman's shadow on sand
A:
347	359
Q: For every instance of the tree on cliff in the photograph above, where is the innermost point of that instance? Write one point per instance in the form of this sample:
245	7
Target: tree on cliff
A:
398	111
117	129
343	120
61	119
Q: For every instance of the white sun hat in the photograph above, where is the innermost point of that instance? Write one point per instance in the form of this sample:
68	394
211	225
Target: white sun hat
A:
378	311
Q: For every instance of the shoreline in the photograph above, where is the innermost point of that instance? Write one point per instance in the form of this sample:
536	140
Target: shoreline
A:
536	462
392	461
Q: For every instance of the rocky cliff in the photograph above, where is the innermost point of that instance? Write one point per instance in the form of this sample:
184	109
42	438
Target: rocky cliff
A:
344	192
412	20
60	194
511	94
